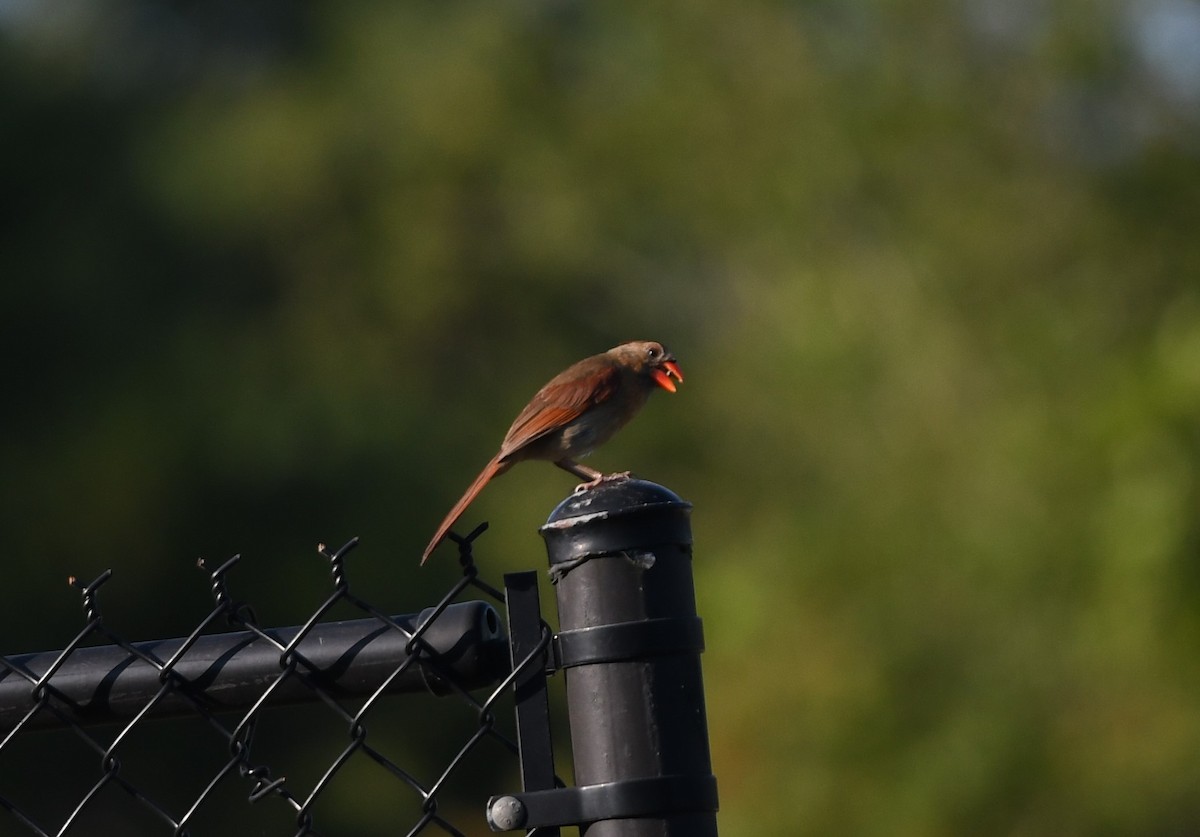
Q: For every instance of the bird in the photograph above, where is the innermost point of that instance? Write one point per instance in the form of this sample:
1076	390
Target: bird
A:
572	415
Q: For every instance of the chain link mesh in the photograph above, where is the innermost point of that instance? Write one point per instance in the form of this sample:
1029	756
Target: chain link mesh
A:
184	777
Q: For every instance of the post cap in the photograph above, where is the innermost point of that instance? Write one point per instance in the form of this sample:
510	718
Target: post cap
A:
615	516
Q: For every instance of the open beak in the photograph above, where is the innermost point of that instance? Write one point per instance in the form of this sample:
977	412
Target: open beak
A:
662	376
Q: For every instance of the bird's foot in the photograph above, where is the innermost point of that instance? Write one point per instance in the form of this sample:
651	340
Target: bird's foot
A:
603	478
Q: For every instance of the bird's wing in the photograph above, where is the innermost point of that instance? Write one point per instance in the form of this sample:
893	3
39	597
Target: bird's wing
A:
559	403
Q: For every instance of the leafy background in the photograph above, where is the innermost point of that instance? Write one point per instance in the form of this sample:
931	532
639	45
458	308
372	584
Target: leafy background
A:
282	273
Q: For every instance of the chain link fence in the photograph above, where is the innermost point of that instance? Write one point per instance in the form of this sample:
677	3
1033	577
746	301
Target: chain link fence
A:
86	745
243	729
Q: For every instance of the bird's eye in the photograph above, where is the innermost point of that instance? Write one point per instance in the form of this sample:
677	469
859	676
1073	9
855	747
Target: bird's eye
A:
652	353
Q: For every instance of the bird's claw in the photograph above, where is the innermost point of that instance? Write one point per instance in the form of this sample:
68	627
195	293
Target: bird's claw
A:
603	478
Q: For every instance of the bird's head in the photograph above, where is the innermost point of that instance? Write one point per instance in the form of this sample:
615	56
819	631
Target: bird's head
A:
651	359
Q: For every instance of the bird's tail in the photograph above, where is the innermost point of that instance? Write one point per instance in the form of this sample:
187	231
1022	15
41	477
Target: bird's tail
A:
492	469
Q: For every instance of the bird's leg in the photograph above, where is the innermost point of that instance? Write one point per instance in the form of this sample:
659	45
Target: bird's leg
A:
582	471
591	475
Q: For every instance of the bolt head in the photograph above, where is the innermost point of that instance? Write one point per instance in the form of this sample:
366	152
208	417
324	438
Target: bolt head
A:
506	813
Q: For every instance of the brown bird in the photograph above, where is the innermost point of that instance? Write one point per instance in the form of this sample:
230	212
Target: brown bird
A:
579	410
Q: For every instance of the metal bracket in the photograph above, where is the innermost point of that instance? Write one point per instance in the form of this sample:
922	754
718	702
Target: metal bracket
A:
628	641
660	796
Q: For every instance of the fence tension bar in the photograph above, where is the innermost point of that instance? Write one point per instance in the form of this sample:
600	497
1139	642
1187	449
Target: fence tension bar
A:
534	741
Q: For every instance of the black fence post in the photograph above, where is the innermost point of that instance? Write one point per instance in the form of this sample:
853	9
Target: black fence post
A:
630	641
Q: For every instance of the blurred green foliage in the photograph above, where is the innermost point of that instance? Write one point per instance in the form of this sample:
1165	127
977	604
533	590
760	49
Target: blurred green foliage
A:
283	274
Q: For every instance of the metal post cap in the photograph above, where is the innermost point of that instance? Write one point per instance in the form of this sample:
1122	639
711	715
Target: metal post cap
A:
614	516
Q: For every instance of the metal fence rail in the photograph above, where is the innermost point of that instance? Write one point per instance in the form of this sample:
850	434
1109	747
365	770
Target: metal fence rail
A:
231	676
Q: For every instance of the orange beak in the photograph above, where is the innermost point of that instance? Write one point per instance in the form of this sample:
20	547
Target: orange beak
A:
663	379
